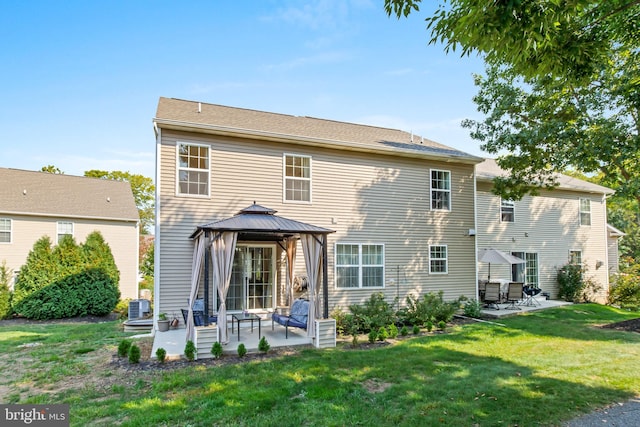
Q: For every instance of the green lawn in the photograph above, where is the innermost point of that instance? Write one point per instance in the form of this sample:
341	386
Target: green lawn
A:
539	369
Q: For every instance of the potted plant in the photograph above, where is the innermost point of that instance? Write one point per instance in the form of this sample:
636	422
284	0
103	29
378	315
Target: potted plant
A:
163	322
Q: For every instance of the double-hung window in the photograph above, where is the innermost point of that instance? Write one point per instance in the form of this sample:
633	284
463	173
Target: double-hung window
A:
440	190
438	259
507	211
585	212
297	178
5	230
359	265
65	228
193	169
575	257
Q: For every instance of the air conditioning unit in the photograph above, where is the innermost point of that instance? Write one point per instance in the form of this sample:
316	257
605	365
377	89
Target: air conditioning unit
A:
138	308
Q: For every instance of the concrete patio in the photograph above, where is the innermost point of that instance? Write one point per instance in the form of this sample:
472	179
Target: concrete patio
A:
174	340
541	304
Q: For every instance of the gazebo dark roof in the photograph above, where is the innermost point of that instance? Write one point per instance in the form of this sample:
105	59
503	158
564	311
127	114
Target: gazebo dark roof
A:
260	223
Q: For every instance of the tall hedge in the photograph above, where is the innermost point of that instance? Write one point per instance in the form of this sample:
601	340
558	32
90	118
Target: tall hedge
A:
62	280
89	293
5	294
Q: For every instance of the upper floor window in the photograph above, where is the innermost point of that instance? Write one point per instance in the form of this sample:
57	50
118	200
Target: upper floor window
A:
440	190
64	229
359	265
297	178
5	230
193	169
507	211
438	259
585	212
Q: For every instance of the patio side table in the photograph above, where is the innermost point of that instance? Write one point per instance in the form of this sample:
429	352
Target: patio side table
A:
242	317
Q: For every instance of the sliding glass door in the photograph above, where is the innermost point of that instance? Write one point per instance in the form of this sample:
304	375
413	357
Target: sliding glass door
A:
252	278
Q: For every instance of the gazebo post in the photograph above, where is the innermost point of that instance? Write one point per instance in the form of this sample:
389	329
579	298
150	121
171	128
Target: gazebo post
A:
325	279
207	253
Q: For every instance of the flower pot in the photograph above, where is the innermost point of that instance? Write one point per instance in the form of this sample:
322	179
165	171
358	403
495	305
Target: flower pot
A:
163	325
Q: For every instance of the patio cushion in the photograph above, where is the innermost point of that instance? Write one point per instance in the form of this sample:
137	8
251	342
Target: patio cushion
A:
300	311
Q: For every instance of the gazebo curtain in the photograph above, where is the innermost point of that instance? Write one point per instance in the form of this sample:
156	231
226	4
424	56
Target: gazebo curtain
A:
222	252
291	246
196	269
312	249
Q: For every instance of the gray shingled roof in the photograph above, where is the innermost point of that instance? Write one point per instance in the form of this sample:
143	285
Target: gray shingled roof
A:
45	194
489	169
257	220
184	115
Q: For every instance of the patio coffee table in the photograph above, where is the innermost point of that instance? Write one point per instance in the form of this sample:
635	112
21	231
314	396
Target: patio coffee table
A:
241	317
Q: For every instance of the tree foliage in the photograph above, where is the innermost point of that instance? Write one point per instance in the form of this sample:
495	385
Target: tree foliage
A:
543	125
143	193
536	37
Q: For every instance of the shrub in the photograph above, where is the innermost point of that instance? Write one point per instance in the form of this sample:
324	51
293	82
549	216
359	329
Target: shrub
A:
96	253
373	314
216	350
5	293
161	354
393	331
122	308
430	308
442	325
625	289
123	348
91	292
429	326
190	351
38	271
404	331
134	354
263	345
473	308
372	336
416	329
382	334
570	282
242	350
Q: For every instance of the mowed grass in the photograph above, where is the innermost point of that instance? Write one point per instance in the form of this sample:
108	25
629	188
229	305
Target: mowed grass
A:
538	369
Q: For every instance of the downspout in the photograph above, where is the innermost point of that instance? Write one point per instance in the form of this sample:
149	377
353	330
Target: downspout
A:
606	245
156	240
475	227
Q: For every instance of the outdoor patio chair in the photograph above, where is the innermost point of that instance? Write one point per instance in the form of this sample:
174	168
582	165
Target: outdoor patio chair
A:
492	295
514	295
297	316
198	317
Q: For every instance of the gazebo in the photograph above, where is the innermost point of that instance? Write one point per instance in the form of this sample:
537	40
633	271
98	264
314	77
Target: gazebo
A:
216	242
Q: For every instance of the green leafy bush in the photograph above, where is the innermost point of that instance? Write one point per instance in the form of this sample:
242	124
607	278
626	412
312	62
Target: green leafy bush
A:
382	333
625	289
416	329
430	308
91	292
442	325
429	326
393	331
373	335
574	285
373	314
216	350
123	348
242	350
40	269
161	354
404	331
134	354
473	308
190	351
5	293
263	345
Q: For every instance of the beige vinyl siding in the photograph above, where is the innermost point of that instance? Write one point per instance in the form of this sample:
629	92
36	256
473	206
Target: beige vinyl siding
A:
122	238
365	198
549	225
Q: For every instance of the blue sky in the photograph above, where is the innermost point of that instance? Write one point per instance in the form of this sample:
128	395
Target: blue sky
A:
81	79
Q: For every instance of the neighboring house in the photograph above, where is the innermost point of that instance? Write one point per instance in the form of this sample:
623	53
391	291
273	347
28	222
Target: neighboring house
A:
550	230
35	204
613	235
400	208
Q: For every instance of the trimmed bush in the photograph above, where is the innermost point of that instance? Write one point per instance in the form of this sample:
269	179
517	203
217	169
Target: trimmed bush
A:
5	293
263	345
39	270
190	351
216	350
161	354
134	354
123	348
393	331
91	292
242	350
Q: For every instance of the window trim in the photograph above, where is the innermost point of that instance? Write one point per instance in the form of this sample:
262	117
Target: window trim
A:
285	178
578	252
58	223
360	265
10	231
178	168
581	212
431	190
446	260
512	206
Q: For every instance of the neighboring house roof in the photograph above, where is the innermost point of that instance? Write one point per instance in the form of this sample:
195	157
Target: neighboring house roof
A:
614	232
57	195
217	119
488	170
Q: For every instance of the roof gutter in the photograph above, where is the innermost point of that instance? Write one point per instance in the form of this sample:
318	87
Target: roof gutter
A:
305	140
53	215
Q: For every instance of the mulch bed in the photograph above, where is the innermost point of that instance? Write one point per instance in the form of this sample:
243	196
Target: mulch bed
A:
631	325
